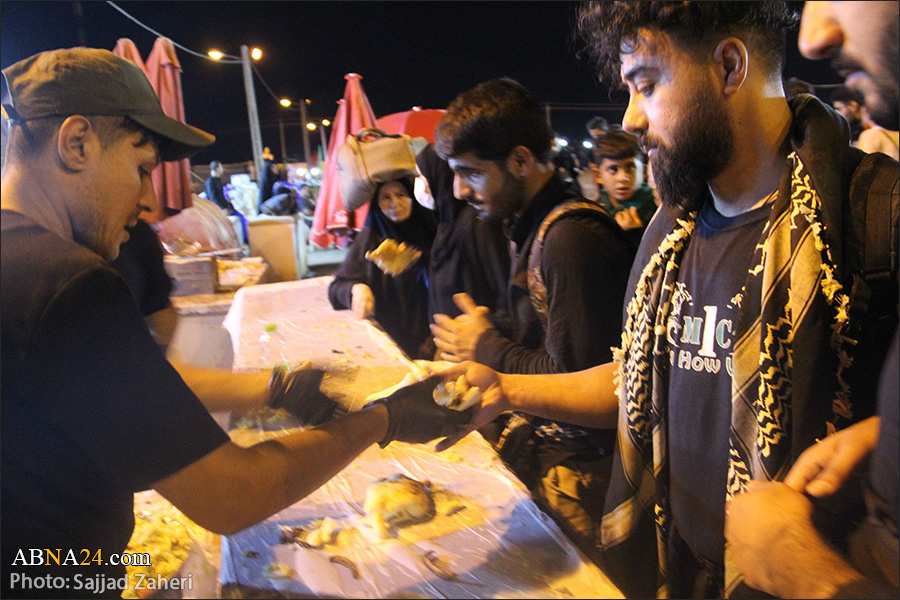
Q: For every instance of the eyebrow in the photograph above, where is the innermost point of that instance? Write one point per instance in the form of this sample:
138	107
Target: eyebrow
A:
639	70
464	169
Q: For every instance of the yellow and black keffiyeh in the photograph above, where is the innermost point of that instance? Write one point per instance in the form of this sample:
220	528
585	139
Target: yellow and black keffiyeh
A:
791	346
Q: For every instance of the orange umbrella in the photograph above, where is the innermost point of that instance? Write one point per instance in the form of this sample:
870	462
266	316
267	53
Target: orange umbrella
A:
417	122
126	49
171	180
331	221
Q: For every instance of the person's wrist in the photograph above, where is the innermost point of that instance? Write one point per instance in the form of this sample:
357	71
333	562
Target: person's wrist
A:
510	391
381	422
275	387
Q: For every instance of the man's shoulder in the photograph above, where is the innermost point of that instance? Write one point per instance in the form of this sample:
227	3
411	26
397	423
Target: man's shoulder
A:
35	263
583	236
27	245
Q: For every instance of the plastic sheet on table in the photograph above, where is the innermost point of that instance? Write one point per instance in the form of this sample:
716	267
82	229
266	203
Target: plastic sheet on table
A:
500	545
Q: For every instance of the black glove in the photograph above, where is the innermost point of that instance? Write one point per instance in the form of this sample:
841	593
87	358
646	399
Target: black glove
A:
414	416
298	393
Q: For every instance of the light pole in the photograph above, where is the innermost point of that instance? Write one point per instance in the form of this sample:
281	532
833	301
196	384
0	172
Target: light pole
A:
325	123
250	91
304	125
304	129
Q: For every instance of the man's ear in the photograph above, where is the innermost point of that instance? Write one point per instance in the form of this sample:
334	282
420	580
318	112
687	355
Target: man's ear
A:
521	161
732	63
74	142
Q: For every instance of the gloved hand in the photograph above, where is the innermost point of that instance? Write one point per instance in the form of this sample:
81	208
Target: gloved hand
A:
298	393
414	416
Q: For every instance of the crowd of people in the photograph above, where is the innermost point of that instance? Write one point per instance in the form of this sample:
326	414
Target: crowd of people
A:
693	371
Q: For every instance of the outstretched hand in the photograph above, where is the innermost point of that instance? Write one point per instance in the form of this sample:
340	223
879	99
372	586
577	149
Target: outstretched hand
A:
414	416
493	399
458	338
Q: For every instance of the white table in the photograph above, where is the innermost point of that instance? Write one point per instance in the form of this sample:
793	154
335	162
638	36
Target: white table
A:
500	545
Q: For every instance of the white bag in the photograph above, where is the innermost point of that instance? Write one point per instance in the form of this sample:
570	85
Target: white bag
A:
372	157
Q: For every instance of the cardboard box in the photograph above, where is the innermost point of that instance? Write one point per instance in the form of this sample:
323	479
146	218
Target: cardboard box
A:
192	275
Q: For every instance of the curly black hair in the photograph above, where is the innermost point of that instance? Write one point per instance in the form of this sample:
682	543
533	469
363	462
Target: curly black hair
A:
609	29
490	120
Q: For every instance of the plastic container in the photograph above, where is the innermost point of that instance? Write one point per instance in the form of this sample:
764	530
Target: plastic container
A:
273	349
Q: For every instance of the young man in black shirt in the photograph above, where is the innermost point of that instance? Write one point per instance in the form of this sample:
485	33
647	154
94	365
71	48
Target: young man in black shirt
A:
498	144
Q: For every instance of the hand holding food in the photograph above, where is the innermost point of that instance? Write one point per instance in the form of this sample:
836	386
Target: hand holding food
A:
414	416
393	258
457	394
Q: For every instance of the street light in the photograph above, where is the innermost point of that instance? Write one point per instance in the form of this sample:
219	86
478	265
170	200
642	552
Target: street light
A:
250	91
304	125
312	127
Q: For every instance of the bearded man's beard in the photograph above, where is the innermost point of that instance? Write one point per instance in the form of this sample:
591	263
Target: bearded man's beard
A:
701	148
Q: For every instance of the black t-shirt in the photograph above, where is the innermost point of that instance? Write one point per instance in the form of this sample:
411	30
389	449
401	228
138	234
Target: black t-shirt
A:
141	263
91	410
700	334
585	265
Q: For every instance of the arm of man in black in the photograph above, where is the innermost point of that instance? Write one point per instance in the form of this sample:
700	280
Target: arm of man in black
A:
585	266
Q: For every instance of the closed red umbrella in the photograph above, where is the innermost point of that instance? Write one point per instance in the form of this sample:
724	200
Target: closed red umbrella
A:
126	49
418	122
332	223
171	180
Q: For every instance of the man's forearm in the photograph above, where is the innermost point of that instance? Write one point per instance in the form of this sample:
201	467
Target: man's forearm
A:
233	488
587	398
220	389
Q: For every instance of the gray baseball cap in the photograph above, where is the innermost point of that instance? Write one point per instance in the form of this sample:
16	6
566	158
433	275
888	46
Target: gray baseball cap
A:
95	82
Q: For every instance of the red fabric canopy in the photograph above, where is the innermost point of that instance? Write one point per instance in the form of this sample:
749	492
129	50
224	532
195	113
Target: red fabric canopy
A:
126	49
171	180
331	222
417	122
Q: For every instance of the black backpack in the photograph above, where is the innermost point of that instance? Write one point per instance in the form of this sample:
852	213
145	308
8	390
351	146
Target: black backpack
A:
868	269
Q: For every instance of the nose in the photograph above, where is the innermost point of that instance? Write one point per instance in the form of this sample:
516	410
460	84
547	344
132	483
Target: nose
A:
635	120
460	189
820	34
148	196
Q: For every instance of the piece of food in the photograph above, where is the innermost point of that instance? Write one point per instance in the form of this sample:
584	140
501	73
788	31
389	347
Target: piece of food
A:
457	395
438	565
397	501
346	562
393	258
323	534
278	571
165	534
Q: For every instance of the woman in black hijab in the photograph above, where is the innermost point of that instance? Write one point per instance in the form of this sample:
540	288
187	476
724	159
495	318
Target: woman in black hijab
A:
468	254
399	303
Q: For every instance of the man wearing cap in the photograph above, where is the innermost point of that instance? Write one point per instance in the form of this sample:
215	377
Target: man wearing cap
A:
92	411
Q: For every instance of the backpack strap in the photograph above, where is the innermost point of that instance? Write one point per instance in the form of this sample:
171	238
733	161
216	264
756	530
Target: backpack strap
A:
537	290
870	272
874	195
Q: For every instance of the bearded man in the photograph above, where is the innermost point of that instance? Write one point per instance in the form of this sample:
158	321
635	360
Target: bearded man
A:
738	350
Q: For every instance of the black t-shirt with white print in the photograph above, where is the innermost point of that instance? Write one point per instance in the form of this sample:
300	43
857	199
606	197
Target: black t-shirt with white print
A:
701	334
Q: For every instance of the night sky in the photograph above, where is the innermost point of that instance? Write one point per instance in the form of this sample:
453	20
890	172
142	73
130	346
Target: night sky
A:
409	53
